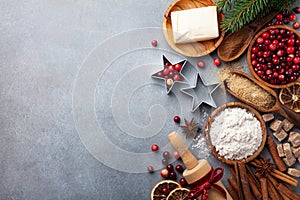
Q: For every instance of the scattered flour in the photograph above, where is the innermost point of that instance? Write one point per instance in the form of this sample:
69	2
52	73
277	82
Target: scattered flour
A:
235	133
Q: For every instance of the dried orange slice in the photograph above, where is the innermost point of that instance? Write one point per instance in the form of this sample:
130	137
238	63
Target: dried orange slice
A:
157	192
290	97
179	194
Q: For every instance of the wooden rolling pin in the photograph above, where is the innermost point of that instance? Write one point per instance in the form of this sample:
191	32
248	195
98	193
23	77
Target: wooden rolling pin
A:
195	169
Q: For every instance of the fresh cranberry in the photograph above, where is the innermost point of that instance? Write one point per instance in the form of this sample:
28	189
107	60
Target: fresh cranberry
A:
296	25
279	17
154	43
179	168
295	68
260	54
170	167
260	40
281	45
150	169
293	78
166	191
176	119
272	47
176	155
154	147
297	42
280	52
164	161
281	77
278	23
289	59
266	54
286	21
296	10
166	154
267	42
260	73
269	71
178	67
265	35
253	56
183	182
177	77
254	62
290	49
254	49
217	62
296	60
201	64
166	71
173	175
164	173
291	42
292	17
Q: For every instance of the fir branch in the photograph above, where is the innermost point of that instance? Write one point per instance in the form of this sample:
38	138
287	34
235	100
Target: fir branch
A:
283	4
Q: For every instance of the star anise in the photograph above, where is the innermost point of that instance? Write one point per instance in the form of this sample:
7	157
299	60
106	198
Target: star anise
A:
190	128
264	167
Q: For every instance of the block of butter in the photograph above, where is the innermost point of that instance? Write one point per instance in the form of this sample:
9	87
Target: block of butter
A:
196	24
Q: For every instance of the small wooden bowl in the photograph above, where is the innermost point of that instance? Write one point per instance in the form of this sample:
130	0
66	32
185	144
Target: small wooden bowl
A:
192	49
234	105
249	56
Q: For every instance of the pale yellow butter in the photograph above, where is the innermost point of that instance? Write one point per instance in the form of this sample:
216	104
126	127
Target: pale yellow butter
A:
196	24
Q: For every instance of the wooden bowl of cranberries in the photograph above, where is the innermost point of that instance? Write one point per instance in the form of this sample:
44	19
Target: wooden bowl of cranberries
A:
274	56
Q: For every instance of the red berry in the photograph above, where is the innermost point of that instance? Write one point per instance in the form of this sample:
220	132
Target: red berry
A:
281	77
170	167
272	47
292	17
280	52
217	62
265	35
176	119
266	54
176	155
183	182
296	10
296	60
166	154
165	191
179	168
172	175
290	49
279	17
260	40
164	173
166	71
286	21
291	42
178	67
154	43
201	64
254	49
164	161
154	147
295	68
150	169
296	25
177	77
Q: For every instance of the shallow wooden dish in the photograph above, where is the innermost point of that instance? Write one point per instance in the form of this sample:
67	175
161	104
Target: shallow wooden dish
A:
213	148
249	56
193	49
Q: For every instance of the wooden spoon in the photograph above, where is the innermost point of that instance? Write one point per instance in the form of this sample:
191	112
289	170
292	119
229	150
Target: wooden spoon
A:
277	106
237	42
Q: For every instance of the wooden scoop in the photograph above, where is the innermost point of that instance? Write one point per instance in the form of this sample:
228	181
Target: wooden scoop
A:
277	106
235	43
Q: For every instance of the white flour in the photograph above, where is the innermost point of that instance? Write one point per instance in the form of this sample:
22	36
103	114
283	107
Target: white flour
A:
235	133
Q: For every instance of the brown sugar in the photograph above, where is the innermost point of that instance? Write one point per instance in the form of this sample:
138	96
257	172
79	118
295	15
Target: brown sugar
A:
250	91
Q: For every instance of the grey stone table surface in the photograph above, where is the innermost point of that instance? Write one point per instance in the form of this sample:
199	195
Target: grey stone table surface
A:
49	148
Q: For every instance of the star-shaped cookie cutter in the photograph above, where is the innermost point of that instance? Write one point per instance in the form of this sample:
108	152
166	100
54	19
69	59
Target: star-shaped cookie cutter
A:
201	93
170	74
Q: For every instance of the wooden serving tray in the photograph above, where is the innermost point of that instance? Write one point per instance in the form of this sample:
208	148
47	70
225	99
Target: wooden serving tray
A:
192	49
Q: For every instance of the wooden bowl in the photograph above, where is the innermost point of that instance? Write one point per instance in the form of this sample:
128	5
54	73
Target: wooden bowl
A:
234	105
192	49
249	56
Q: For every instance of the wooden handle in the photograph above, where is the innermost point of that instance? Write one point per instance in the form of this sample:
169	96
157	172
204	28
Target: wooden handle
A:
179	145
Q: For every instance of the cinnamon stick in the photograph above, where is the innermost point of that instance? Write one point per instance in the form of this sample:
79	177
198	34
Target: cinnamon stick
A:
254	183
232	182
272	191
244	181
289	193
276	184
273	151
264	188
238	180
284	177
233	193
